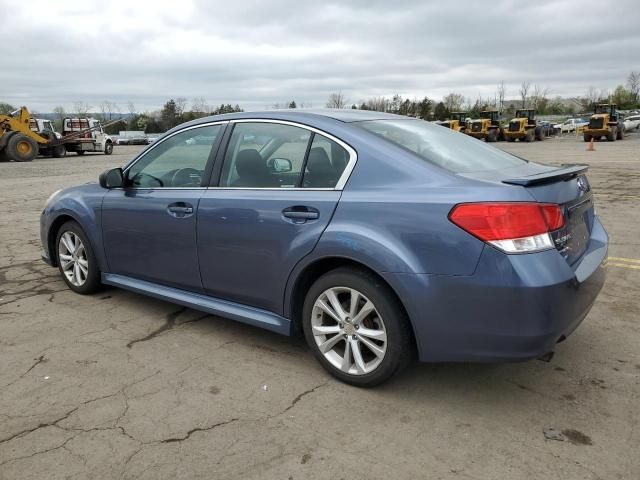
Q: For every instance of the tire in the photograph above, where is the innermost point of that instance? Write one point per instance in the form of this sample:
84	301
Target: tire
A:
3	156
538	134
387	318
620	135
613	133
59	151
108	148
587	137
529	136
80	152
21	148
87	282
511	139
492	136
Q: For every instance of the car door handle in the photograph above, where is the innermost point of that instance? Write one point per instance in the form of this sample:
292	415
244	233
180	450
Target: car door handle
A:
301	214
180	209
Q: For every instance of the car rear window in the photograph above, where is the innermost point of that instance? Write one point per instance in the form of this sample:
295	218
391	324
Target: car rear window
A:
454	151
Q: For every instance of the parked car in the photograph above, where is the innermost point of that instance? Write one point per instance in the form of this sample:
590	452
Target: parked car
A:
570	125
372	234
632	122
122	141
546	128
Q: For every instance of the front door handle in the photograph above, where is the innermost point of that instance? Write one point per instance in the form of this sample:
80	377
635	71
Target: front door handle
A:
180	209
300	214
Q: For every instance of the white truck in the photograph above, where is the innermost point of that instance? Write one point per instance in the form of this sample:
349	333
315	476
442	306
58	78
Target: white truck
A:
570	125
85	135
44	127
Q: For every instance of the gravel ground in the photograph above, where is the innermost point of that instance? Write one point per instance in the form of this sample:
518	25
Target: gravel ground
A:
116	385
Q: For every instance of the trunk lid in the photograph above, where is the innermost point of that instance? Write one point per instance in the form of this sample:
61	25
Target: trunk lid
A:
566	186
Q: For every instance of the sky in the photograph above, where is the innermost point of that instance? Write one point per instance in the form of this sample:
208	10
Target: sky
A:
261	53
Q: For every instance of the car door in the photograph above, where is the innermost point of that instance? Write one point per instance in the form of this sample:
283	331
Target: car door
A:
149	226
278	188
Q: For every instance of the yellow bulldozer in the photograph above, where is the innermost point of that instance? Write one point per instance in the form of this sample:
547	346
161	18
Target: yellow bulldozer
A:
524	127
487	127
457	121
18	142
605	122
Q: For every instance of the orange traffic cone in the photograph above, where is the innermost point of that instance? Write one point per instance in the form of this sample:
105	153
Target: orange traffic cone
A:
590	147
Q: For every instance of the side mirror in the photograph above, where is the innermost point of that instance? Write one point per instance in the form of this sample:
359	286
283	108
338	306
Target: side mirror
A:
280	165
112	178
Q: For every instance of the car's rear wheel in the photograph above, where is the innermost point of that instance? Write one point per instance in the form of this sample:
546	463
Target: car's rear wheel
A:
356	327
76	260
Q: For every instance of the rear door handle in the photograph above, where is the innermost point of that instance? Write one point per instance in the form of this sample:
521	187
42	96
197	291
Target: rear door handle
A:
180	209
301	214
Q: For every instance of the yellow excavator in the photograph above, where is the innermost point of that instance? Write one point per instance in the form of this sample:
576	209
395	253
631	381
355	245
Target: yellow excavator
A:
18	142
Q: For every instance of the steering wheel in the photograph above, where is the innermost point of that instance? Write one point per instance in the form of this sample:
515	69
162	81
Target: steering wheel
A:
186	177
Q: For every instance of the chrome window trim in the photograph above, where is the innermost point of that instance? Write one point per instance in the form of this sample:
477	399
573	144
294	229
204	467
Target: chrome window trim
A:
353	156
159	142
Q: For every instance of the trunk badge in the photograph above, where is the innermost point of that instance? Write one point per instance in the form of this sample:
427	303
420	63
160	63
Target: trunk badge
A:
583	184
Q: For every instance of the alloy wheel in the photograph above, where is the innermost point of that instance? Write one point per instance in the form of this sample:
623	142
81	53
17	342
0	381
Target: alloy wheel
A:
73	258
348	330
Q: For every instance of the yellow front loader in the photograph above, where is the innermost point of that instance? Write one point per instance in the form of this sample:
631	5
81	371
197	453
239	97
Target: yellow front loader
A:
605	122
488	127
457	122
524	127
17	141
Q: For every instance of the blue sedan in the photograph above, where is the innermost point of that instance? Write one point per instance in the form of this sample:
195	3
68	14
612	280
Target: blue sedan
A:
375	236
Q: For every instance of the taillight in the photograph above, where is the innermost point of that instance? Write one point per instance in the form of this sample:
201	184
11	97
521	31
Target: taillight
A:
516	227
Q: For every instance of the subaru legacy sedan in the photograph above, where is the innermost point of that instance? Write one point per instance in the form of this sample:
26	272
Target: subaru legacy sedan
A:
378	237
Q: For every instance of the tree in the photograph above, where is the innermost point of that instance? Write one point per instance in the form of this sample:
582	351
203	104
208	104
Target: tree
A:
423	109
440	112
81	109
500	97
107	108
453	102
592	98
292	104
622	97
200	105
168	115
181	104
524	92
336	100
6	109
633	82
539	99
60	114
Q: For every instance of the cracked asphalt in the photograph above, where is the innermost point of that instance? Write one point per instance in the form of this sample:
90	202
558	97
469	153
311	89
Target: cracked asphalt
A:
117	385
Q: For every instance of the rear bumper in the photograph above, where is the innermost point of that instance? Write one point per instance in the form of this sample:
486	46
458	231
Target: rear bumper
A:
514	307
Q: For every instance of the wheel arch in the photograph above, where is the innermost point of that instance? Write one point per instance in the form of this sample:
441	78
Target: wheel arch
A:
295	295
52	234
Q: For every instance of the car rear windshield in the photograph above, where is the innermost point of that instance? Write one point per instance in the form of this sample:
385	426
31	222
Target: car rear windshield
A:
454	151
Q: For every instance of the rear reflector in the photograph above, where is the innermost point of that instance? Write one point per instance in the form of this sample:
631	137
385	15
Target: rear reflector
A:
514	227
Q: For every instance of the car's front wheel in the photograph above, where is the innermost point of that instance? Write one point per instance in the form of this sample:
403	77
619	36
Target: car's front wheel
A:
356	327
76	260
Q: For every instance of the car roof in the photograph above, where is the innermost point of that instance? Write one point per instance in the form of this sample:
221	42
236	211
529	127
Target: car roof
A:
342	115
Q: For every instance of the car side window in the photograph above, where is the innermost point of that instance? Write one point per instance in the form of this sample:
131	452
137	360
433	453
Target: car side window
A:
265	155
177	162
325	164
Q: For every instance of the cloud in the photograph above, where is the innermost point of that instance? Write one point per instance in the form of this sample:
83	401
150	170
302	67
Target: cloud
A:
258	53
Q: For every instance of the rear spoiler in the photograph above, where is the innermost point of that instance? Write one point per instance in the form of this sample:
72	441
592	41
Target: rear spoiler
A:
565	172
